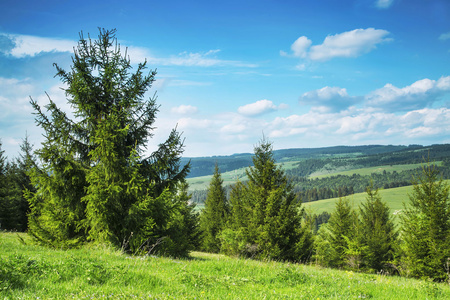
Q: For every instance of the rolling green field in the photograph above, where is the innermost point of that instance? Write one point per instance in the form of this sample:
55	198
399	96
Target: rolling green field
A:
365	171
394	198
202	182
33	272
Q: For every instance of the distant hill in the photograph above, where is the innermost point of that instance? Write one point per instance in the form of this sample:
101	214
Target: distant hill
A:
323	173
384	154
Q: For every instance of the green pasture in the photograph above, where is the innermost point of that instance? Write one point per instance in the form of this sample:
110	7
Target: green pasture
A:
365	171
202	182
394	198
33	272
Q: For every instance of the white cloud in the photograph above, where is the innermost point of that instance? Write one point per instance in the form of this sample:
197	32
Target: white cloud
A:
328	99
184	110
421	93
444	36
348	44
257	108
26	45
20	46
300	46
383	4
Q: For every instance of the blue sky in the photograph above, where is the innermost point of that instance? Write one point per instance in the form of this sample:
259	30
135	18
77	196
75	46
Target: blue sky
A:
303	73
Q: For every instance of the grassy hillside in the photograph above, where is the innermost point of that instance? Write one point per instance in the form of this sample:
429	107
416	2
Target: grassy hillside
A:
365	171
32	272
393	197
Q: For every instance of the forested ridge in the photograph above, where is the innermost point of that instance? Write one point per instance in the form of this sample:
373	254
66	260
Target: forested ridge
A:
348	158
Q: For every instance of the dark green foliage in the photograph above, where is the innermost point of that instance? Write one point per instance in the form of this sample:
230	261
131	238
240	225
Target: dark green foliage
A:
214	215
13	182
338	244
267	217
426	227
93	183
377	232
5	205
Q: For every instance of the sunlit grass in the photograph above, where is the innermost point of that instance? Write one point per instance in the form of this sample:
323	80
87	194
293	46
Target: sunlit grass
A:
365	171
394	198
32	272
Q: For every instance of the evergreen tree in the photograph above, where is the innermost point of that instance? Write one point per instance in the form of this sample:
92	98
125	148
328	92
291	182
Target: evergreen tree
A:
13	182
426	226
272	216
93	182
5	205
377	231
234	236
340	242
182	234
214	215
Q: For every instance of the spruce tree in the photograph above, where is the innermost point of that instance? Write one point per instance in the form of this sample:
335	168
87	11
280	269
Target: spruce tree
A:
5	205
340	232
13	181
377	231
214	215
426	226
93	181
235	236
273	228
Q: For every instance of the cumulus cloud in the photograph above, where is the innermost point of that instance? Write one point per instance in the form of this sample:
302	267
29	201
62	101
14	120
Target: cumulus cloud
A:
184	110
328	99
300	46
383	4
422	93
339	128
20	46
347	44
257	108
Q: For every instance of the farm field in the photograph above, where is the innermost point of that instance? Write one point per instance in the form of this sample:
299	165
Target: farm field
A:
35	272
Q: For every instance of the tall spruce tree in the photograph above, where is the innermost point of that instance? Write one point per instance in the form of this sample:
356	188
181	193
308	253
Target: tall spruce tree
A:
273	216
339	236
378	234
425	225
214	215
93	182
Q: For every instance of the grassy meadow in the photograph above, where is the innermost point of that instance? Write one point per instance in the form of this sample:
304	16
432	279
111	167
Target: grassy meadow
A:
365	171
28	271
394	198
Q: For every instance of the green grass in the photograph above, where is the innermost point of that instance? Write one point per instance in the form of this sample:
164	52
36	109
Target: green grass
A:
33	272
394	198
202	182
